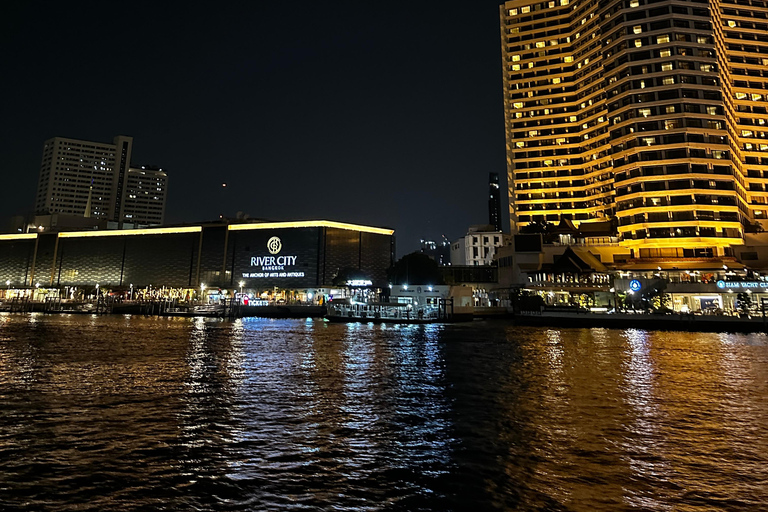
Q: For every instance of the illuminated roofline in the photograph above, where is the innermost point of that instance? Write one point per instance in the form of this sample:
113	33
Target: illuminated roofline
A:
19	236
121	232
310	224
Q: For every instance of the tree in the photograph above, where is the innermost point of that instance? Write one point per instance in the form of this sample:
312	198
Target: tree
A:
349	274
545	228
415	268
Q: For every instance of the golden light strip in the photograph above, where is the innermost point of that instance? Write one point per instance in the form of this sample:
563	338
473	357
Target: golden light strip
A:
19	236
310	224
125	232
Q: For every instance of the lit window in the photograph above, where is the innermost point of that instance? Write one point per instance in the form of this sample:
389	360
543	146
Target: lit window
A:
662	39
665	53
518	104
634	3
555	80
642	84
705	67
731	23
637	29
515	58
540	44
572	119
638	43
515	67
513	12
757	97
644	112
667	66
746	133
669	80
525	9
712	111
649	141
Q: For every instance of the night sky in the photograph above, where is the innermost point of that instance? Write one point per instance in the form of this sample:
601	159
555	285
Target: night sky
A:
380	113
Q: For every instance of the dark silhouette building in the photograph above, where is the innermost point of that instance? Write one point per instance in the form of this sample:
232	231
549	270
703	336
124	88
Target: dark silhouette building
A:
494	201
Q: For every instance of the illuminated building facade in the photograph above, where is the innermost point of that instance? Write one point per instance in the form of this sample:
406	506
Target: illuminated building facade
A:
650	113
94	179
261	256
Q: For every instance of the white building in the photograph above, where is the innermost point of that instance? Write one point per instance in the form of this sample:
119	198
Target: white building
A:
477	247
92	179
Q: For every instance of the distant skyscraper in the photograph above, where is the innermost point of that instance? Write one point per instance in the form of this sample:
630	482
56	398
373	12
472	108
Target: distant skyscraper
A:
146	190
494	201
653	113
94	179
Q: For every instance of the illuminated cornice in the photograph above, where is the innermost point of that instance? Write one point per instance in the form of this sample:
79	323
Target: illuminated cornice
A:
686	242
127	232
310	224
19	236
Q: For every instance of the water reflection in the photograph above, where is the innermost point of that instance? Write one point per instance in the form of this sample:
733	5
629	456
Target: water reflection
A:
105	413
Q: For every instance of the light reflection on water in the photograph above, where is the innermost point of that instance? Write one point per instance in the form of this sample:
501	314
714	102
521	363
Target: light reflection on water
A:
136	413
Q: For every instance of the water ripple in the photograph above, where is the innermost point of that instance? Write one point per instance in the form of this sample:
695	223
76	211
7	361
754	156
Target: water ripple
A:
138	413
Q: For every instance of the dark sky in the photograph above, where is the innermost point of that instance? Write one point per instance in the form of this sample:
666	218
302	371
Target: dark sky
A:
379	113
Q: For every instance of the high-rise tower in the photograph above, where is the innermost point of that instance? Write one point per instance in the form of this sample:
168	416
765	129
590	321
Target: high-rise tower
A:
94	179
649	112
494	201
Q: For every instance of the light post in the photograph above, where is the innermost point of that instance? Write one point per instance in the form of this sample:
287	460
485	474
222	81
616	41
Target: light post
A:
241	283
131	292
202	292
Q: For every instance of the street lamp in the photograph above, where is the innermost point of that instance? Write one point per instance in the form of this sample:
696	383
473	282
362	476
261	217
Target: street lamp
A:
241	283
202	291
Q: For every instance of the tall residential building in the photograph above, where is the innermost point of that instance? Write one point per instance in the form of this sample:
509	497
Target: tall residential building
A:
649	112
494	201
94	179
146	189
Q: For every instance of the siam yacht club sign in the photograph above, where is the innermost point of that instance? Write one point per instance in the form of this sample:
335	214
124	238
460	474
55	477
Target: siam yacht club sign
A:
757	286
274	265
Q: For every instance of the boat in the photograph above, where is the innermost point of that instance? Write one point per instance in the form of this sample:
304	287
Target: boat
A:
209	310
380	312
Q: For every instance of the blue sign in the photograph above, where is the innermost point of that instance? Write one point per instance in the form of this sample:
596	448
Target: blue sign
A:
635	285
721	284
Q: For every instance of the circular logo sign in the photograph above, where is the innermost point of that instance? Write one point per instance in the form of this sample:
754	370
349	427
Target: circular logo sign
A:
274	245
635	285
721	284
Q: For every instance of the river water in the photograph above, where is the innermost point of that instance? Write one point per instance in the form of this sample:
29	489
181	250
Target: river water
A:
147	413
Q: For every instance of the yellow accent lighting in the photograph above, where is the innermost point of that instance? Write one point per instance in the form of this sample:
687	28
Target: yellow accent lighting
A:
310	224
19	236
125	232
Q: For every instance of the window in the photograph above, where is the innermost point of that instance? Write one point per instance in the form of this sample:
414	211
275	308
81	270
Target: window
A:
666	66
637	29
662	39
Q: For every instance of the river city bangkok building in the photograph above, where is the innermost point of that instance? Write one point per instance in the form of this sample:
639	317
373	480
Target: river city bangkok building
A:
648	113
298	260
96	180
